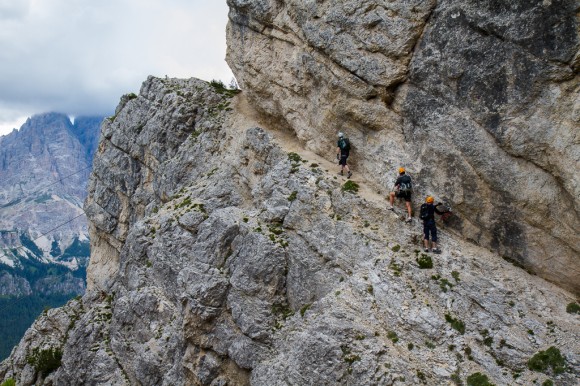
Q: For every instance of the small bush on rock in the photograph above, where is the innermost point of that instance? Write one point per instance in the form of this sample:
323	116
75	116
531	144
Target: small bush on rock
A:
550	358
456	324
294	157
425	261
350	186
221	88
392	335
45	361
573	308
478	379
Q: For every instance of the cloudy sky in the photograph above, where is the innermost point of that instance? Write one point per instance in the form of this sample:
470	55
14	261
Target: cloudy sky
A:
79	56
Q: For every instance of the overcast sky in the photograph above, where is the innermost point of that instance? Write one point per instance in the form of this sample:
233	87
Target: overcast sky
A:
79	56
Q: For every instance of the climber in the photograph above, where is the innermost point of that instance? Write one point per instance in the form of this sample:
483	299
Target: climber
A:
403	190
342	152
427	214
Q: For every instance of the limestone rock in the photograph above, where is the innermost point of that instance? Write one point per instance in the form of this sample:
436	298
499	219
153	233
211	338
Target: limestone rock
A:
479	100
225	255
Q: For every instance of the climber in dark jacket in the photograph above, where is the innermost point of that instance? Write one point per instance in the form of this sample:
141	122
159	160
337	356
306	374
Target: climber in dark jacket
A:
342	153
402	190
429	226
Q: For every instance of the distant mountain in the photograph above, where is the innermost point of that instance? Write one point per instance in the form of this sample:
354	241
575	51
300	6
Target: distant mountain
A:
44	246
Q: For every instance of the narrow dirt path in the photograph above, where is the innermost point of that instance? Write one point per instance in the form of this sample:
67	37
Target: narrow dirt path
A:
246	116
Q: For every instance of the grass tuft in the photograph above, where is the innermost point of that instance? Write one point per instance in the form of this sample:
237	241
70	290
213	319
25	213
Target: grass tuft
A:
350	186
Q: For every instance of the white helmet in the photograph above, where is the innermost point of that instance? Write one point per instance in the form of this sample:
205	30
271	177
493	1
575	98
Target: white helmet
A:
340	134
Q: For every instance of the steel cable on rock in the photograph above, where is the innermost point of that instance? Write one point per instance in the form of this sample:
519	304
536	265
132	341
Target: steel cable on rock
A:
47	186
17	299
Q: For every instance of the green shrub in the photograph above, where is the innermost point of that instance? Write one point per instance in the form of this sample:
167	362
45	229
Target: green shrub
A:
294	157
456	379
478	379
217	84
392	335
396	248
425	261
348	356
548	382
573	308
221	88
456	324
550	358
9	382
351	358
396	267
45	361
455	275
467	351
292	196
350	186
370	289
421	376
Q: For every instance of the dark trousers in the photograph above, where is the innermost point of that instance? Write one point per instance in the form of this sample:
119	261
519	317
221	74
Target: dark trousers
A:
430	227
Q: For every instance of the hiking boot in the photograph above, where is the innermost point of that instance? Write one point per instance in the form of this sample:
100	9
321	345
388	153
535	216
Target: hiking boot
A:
340	173
409	219
349	174
437	250
427	250
392	208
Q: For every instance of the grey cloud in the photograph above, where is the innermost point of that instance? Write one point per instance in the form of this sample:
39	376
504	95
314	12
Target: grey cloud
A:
13	9
80	57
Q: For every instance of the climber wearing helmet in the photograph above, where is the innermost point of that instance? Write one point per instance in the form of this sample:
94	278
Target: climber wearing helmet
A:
342	153
402	190
427	214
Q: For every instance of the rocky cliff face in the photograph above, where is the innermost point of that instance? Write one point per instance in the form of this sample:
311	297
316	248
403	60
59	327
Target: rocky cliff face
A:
224	253
44	169
478	99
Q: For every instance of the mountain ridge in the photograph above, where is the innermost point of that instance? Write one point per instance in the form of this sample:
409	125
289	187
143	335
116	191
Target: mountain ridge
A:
44	246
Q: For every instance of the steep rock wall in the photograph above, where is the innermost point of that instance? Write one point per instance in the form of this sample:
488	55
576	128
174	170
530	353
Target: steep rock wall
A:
225	254
479	100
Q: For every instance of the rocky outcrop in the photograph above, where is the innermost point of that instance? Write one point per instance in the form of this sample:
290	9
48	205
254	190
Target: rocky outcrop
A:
479	100
13	285
44	169
225	254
